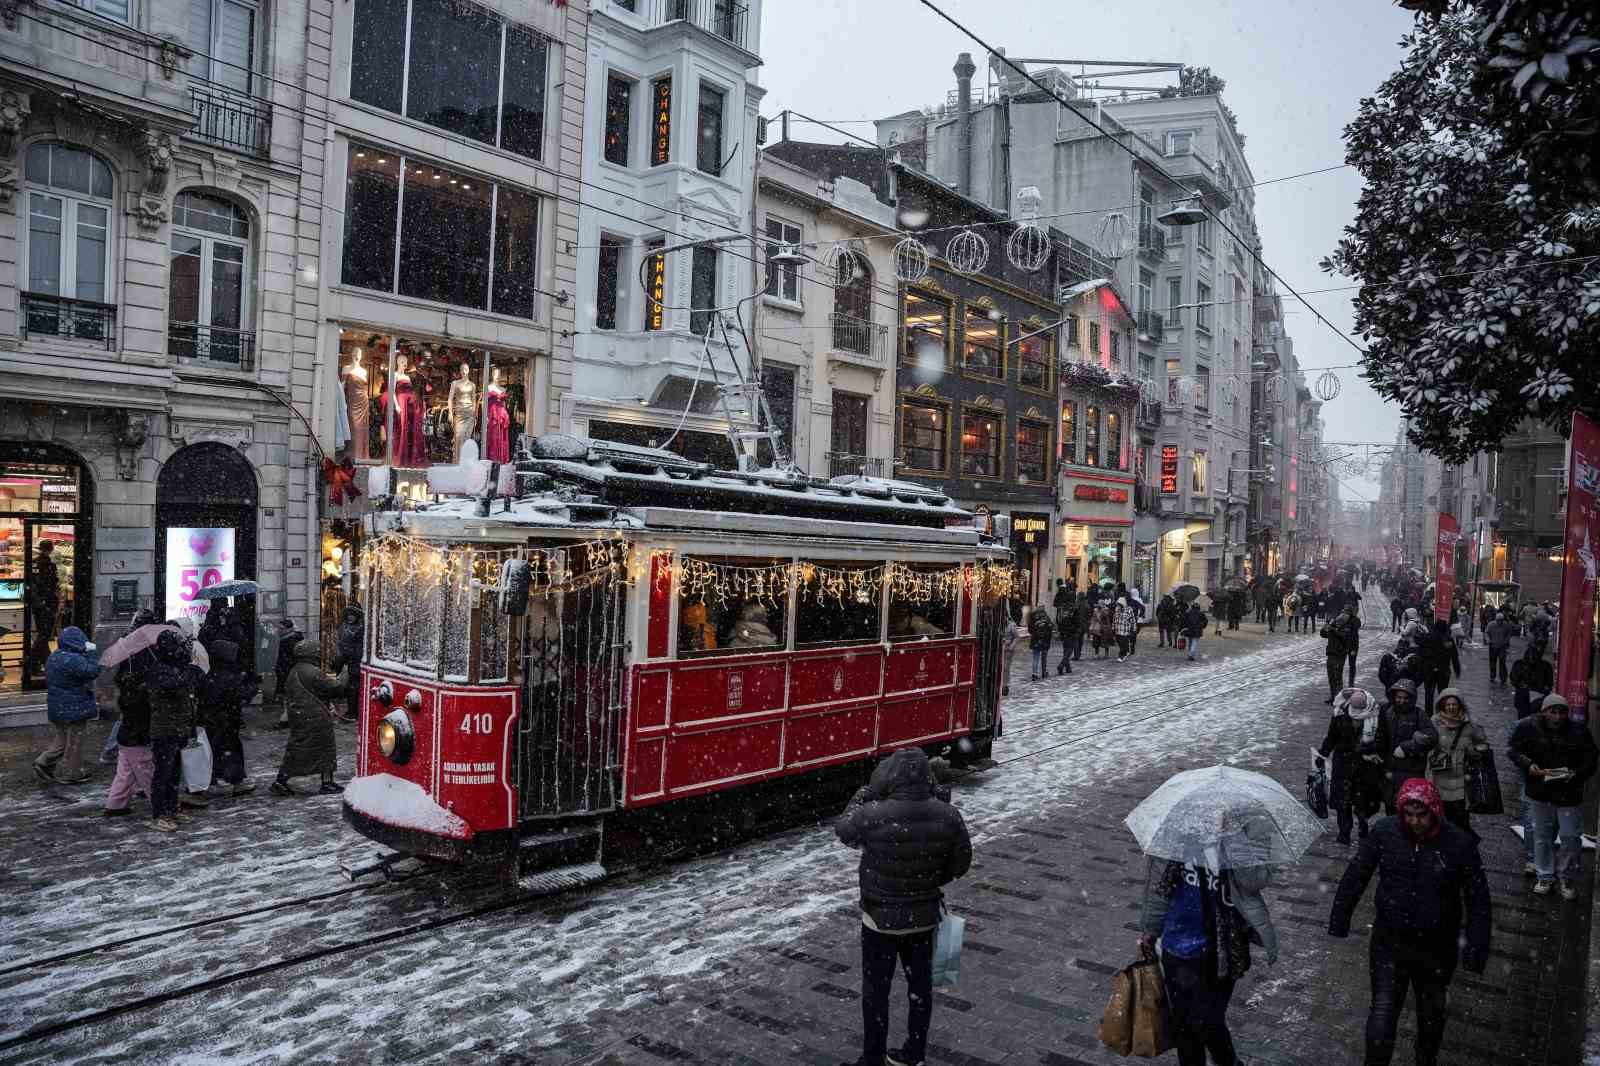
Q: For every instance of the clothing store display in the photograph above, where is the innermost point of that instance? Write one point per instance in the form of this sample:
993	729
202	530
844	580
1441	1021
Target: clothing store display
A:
357	409
463	413
409	448
498	440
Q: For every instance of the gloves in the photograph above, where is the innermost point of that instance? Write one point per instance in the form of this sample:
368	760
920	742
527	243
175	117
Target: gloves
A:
90	648
1399	752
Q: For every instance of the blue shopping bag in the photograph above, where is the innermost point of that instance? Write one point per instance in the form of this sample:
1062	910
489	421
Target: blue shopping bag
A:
947	949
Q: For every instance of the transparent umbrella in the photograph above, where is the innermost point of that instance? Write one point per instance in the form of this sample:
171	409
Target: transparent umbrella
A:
1229	817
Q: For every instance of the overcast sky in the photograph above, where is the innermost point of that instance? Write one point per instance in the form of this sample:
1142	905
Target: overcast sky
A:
1296	72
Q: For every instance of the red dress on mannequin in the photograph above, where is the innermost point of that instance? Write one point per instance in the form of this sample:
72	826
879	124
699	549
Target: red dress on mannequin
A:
498	443
409	448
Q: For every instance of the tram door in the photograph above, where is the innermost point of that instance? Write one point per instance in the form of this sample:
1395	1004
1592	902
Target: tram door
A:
574	656
992	622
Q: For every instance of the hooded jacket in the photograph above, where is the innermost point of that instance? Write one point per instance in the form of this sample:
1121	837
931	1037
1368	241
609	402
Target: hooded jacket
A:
1447	763
1533	672
1194	621
1239	893
352	638
1409	730
224	691
70	672
1427	889
1536	743
752	630
911	843
1039	629
171	680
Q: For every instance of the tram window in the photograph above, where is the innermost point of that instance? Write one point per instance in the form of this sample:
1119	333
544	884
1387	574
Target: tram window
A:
392	616
455	600
921	603
730	605
424	606
838	603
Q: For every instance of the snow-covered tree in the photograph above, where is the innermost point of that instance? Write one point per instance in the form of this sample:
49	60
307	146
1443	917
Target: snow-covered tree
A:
1480	302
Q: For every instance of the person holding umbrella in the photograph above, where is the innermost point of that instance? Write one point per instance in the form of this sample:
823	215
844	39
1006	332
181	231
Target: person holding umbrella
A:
1430	884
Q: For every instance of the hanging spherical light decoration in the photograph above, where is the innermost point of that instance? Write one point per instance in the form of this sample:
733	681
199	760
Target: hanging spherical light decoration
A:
967	252
845	261
910	260
1114	238
1028	247
1327	386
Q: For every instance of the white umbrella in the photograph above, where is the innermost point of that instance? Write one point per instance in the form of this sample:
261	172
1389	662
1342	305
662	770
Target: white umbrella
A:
1240	817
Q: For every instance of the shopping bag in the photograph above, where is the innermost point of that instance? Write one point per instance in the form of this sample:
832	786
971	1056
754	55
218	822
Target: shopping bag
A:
1152	1025
947	949
1183	642
1317	793
1116	1024
196	758
1483	784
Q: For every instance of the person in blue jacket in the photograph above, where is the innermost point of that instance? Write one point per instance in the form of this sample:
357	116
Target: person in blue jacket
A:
69	674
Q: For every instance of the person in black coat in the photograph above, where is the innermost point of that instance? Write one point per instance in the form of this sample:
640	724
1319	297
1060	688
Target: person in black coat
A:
352	641
1397	610
1431	890
289	638
1067	625
1040	630
1167	621
222	693
1532	678
912	844
1356	783
1439	657
1406	734
1194	627
1343	635
1557	758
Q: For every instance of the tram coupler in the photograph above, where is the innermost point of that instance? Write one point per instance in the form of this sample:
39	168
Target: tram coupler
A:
395	866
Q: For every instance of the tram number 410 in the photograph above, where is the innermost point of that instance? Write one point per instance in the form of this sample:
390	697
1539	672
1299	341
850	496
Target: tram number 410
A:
478	723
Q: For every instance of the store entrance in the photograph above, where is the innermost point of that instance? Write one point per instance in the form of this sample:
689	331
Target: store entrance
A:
46	552
205	530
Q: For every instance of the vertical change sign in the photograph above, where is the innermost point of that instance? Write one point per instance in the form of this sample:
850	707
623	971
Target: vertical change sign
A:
196	559
1578	568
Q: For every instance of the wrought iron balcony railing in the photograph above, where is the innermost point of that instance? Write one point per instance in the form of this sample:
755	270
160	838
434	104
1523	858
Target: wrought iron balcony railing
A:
859	337
843	464
187	341
1152	239
233	121
727	20
81	320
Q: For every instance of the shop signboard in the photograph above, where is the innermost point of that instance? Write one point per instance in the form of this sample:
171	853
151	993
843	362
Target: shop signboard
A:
1576	627
197	558
1169	469
1099	494
1027	527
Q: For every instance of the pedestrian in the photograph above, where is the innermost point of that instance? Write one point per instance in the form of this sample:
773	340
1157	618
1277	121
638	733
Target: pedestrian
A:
912	842
1167	621
352	642
311	748
1235	608
1439	657
1040	630
1206	914
1139	610
222	694
1460	738
1431	890
1067	625
1343	635
1063	597
43	600
1532	678
1356	782
1497	634
1559	757
1104	635
69	673
1539	629
1124	624
1013	632
1081	631
1406	736
109	753
1397	610
171	681
1274	605
289	638
1194	627
1291	612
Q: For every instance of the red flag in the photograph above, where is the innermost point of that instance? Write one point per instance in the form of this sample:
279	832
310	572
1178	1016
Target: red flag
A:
1444	555
1578	568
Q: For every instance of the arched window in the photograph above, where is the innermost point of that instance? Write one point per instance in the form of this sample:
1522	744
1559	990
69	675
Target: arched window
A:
852	305
209	292
68	243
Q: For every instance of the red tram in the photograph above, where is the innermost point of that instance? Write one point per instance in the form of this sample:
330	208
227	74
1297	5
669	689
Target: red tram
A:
626	629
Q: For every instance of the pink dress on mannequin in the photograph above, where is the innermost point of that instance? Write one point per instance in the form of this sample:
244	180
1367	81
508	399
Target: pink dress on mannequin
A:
498	443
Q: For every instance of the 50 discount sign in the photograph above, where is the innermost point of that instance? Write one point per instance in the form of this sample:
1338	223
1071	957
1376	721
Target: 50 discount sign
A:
196	559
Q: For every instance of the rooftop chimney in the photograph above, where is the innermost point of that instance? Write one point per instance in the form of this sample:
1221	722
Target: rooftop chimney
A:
964	69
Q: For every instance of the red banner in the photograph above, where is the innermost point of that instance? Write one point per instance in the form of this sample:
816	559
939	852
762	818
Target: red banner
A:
1576	628
1444	568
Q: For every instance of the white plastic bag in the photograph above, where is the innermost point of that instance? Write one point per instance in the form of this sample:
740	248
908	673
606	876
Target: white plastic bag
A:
947	949
197	763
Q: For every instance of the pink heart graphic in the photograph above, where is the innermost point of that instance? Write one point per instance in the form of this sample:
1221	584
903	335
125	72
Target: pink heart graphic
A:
201	542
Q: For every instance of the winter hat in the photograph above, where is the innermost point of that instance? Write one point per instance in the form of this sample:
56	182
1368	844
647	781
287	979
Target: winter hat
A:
1451	693
1357	703
1555	699
1411	614
1404	684
1417	790
72	639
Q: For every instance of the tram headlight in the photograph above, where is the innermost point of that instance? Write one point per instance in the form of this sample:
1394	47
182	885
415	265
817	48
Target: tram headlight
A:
396	738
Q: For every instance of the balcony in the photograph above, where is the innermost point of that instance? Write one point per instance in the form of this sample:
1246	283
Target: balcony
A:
722	18
1148	413
1145	500
1194	171
234	348
859	339
79	320
1152	239
843	464
232	121
1151	324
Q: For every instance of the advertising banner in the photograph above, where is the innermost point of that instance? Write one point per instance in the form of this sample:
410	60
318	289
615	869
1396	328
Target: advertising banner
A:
196	559
1576	625
1444	589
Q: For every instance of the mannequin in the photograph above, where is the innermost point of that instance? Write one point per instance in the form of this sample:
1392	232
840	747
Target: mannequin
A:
409	449
463	410
355	399
498	439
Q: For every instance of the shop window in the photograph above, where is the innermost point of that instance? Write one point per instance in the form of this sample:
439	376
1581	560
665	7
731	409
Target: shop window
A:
1113	441
456	66
702	290
444	251
728	605
708	149
924	436
1197	476
1069	431
782	281
921	601
608	271
68	239
1091	436
1094	339
1174	383
661	121
838	603
655	269
981	444
1035	357
208	286
1116	350
926	331
983	354
619	119
1033	451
